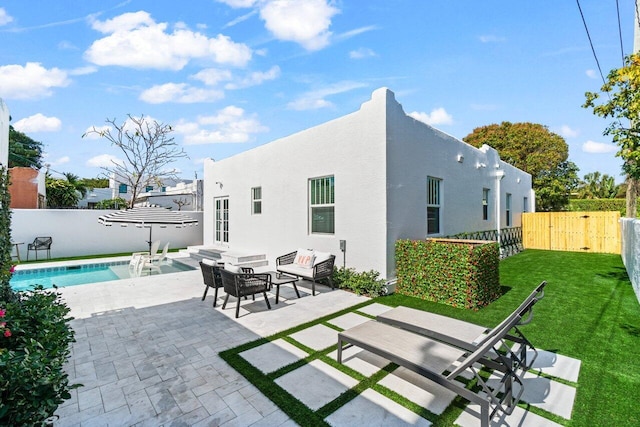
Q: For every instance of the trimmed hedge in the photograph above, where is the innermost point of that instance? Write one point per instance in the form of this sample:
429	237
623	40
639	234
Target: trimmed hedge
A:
459	273
593	205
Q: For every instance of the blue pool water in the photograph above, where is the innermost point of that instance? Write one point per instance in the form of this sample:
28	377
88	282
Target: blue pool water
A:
81	274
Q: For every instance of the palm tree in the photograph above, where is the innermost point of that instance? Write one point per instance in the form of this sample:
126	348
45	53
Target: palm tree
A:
74	180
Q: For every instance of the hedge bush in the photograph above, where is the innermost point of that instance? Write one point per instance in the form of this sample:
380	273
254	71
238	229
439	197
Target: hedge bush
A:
363	283
457	273
32	356
597	205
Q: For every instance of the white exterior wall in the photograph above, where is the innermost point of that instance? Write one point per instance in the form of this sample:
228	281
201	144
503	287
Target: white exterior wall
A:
77	232
350	148
4	134
631	251
380	159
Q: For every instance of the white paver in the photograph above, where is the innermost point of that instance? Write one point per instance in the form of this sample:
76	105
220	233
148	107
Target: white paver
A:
360	360
317	337
349	320
316	384
370	409
273	355
556	365
470	417
375	309
419	390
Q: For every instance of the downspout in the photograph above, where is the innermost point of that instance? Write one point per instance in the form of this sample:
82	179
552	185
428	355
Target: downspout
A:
499	176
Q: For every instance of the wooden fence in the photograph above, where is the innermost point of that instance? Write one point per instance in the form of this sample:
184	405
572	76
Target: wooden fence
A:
572	231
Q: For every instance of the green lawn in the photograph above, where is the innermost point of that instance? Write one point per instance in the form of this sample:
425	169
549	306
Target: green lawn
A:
589	312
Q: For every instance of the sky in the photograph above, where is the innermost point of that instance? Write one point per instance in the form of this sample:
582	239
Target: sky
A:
231	75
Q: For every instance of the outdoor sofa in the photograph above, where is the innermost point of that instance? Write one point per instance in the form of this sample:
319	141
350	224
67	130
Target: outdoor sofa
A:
441	356
308	265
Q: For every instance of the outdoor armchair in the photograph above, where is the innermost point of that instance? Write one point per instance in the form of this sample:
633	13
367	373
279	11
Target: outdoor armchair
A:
40	244
307	264
212	279
244	284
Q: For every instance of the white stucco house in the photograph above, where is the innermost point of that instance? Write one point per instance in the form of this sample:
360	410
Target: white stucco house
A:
361	182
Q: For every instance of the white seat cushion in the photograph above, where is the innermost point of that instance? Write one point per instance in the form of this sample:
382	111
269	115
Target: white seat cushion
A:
232	268
208	261
320	257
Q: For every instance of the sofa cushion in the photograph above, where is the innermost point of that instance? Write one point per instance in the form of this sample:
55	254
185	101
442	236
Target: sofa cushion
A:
207	261
232	268
304	258
296	270
320	257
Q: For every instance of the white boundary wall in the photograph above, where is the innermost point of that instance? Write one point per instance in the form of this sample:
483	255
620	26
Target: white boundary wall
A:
631	251
77	232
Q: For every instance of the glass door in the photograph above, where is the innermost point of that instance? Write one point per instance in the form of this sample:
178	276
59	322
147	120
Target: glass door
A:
222	220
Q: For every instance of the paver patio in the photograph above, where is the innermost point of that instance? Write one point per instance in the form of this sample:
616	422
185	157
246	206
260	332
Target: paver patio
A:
147	354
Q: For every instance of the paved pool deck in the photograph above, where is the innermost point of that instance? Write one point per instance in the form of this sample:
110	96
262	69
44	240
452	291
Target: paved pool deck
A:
147	355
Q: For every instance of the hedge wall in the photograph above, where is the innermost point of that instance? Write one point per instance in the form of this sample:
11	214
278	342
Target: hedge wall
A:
591	205
460	273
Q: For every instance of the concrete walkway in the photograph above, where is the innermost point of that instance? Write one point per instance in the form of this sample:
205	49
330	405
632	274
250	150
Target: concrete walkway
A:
147	355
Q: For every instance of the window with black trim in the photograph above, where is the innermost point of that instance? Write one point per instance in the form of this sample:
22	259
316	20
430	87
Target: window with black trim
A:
256	200
485	204
508	209
322	205
433	205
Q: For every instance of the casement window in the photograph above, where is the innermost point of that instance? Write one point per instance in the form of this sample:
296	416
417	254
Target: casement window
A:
122	188
433	205
485	204
508	210
322	205
256	200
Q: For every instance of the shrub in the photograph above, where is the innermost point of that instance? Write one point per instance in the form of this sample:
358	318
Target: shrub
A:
597	205
32	356
364	283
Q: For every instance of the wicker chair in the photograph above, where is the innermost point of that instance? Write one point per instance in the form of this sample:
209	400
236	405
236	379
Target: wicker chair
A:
321	270
244	284
40	244
212	279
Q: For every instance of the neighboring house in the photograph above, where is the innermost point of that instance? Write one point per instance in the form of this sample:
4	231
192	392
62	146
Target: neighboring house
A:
27	188
163	194
4	134
95	196
364	181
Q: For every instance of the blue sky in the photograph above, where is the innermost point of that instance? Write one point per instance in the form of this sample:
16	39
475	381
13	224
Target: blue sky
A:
230	75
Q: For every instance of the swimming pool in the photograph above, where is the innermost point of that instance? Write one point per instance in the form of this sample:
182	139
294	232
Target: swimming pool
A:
73	275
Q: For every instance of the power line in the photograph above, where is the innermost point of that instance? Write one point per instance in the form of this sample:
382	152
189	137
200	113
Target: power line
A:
591	42
620	30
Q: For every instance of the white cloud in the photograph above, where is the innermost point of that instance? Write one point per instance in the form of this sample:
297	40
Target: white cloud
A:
363	52
255	78
93	132
567	132
38	123
61	161
81	71
238	3
229	125
304	22
355	32
438	116
31	81
136	40
212	76
181	93
103	161
240	19
598	147
491	39
5	18
592	74
314	100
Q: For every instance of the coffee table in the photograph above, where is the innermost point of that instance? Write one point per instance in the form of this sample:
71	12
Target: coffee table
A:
278	279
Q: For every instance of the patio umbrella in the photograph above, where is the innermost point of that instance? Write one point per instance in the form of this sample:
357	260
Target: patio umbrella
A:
147	217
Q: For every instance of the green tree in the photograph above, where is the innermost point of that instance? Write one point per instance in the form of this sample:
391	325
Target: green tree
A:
75	180
24	151
536	150
95	182
117	203
597	186
61	193
622	90
148	149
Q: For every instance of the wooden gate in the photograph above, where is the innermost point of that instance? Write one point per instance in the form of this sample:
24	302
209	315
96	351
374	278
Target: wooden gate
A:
572	231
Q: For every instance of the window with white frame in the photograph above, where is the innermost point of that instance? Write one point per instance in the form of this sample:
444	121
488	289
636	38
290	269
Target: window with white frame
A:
508	209
256	200
485	204
322	205
433	205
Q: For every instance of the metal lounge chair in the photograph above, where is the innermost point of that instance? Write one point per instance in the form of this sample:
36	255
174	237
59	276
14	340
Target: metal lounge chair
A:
442	363
469	336
40	244
244	284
